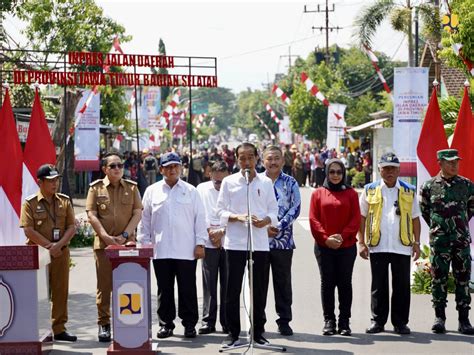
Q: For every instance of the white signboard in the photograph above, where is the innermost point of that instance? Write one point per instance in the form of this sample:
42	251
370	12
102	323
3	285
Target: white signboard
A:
410	100
335	127
87	134
284	131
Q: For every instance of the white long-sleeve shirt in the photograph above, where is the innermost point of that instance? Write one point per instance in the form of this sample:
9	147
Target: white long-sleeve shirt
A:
209	197
173	220
233	200
390	222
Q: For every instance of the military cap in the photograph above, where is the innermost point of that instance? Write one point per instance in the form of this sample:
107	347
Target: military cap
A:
47	171
389	159
448	154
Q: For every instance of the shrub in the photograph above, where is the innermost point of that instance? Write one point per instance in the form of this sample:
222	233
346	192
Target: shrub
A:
84	234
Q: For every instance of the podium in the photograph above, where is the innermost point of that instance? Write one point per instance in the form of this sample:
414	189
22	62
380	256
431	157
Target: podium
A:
131	300
25	310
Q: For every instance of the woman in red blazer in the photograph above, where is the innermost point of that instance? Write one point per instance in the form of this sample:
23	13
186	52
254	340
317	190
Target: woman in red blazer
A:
334	217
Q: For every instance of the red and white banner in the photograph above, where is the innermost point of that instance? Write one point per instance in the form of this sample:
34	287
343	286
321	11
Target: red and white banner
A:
272	113
270	133
314	90
374	60
10	177
117	141
169	109
39	148
281	94
87	135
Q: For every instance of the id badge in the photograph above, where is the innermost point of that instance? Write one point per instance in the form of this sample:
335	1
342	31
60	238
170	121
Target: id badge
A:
55	234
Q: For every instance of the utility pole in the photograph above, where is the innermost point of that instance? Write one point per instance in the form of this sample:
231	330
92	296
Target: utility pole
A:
289	55
327	28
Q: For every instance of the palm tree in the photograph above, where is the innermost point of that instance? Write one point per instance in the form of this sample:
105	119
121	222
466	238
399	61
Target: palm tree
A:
400	15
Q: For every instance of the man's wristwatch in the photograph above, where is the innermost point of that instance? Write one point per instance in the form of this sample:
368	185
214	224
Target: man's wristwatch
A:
125	235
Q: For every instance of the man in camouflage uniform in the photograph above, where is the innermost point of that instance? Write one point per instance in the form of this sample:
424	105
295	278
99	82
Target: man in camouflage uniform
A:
447	205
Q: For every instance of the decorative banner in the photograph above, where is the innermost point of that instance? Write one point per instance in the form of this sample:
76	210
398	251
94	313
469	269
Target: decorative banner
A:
284	131
272	113
410	100
270	133
314	90
374	60
144	133
335	127
165	117
281	94
87	135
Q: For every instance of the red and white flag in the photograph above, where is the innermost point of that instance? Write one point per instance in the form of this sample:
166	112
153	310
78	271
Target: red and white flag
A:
314	90
272	113
39	148
432	138
10	177
281	94
169	109
463	137
118	139
374	60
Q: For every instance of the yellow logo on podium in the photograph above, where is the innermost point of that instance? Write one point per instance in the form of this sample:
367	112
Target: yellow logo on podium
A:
130	303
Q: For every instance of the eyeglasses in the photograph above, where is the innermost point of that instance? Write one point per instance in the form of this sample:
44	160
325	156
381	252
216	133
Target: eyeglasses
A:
397	208
335	172
116	166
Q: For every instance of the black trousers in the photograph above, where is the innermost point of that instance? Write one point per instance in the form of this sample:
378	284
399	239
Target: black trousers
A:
213	268
184	271
400	268
280	263
236	262
335	268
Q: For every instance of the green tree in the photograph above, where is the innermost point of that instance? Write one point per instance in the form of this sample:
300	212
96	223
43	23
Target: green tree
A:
464	35
399	14
165	90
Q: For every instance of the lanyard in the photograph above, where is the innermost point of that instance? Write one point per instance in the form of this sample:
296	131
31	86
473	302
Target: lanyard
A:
53	216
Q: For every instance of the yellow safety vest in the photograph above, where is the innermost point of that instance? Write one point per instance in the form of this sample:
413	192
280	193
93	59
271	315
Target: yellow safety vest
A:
406	194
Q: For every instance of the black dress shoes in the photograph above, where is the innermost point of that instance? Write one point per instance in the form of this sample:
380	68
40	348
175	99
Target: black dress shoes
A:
375	328
104	333
189	332
65	336
259	339
402	329
207	329
343	327
285	329
329	327
164	332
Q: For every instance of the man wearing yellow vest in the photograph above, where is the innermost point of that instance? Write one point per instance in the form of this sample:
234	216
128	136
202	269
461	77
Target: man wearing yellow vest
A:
390	233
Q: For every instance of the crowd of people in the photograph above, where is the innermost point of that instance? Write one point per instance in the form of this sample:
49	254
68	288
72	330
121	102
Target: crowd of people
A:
306	165
215	225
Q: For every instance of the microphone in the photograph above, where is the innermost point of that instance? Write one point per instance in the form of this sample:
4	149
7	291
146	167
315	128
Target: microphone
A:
247	175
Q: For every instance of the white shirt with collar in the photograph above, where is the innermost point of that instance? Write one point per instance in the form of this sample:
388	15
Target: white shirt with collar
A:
173	220
233	200
209	196
390	223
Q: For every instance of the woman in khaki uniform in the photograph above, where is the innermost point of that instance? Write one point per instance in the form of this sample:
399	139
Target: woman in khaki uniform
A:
114	209
48	220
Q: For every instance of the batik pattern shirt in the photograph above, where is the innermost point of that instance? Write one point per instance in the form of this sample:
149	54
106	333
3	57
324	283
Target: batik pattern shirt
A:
288	197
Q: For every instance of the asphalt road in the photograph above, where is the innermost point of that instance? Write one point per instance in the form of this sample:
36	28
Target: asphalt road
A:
307	314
